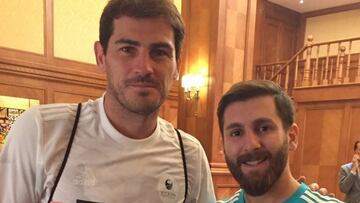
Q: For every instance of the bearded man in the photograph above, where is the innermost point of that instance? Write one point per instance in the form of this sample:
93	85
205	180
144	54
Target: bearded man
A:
256	119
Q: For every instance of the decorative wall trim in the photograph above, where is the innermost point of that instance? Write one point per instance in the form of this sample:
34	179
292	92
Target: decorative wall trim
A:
41	71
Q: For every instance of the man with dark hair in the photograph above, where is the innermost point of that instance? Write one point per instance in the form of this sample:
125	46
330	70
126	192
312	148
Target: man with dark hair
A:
349	177
115	148
256	119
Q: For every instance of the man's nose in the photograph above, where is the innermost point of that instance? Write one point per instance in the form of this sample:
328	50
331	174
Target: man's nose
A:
144	64
252	141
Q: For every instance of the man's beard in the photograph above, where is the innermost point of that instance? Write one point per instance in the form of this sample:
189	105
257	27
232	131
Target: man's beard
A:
258	183
140	105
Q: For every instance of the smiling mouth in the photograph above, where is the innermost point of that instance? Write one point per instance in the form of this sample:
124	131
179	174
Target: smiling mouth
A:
255	162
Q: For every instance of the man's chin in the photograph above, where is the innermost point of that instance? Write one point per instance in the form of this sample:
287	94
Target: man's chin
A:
254	183
255	192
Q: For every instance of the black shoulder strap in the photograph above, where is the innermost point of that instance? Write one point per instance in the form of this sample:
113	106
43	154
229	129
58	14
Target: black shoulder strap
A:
184	162
66	153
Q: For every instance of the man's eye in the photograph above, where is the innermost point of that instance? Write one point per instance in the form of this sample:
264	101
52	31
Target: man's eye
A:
264	128
158	53
127	50
236	133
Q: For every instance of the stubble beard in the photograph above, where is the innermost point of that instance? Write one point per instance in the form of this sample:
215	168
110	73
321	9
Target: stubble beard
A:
139	104
258	183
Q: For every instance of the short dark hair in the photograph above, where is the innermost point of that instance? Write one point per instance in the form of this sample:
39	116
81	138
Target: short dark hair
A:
245	90
355	145
141	9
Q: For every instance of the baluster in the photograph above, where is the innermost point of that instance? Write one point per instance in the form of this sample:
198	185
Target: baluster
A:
278	67
322	70
256	71
315	72
325	80
273	70
346	78
296	70
306	78
278	77
357	79
339	70
331	67
287	71
265	72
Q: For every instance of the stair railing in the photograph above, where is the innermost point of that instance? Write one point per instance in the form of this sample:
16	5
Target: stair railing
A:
320	64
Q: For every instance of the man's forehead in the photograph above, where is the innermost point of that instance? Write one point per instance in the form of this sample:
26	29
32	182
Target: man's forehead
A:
262	104
154	30
251	110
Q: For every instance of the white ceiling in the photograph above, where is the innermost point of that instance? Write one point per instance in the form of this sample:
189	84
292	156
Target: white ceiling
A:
312	5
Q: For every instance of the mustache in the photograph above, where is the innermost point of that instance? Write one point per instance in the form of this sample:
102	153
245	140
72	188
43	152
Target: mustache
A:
258	154
143	79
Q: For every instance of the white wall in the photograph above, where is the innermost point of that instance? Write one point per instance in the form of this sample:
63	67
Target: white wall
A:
335	26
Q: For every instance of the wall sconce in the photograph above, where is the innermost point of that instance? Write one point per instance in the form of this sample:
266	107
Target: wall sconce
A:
192	84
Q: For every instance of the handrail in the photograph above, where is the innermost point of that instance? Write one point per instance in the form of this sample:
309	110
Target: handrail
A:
277	62
335	41
324	63
306	47
289	61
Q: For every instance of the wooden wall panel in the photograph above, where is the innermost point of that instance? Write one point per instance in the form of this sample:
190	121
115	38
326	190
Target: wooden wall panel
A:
328	129
68	97
220	37
321	135
22	91
276	33
169	110
224	184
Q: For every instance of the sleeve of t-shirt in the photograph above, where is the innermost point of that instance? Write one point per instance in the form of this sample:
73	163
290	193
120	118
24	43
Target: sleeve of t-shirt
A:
201	189
206	193
18	161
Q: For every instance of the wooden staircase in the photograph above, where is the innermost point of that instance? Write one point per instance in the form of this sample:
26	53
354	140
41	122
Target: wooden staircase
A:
321	64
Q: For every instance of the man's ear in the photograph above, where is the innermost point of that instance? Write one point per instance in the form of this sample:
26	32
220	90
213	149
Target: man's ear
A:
99	55
293	136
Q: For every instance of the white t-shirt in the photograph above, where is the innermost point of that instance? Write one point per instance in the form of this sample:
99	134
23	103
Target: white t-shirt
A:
103	166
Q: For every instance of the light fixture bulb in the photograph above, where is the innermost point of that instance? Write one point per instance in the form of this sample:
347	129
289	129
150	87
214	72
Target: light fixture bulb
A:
301	1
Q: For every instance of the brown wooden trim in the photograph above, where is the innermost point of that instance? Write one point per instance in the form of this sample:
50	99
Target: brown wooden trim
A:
218	165
174	91
250	40
327	93
301	33
281	13
185	12
260	21
32	72
220	172
38	61
331	10
345	138
23	91
48	29
216	73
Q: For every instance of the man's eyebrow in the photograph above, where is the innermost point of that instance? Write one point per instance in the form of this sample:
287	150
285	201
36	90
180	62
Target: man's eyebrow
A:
263	120
233	125
161	45
127	41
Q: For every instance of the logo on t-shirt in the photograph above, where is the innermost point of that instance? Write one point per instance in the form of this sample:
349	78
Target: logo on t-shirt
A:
168	184
168	189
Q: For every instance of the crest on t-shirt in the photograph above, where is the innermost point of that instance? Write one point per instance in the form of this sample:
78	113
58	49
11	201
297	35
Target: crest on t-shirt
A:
168	189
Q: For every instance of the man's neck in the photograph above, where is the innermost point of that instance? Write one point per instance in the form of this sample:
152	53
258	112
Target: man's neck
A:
130	124
284	187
